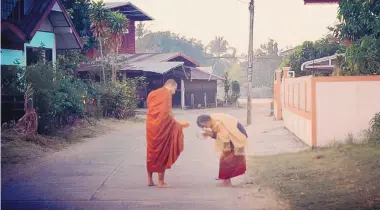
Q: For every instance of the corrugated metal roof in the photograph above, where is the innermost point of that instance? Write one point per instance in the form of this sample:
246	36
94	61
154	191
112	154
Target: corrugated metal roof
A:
155	63
198	74
149	62
150	57
156	67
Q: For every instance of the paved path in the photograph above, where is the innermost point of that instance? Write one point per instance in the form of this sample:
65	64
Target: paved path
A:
108	172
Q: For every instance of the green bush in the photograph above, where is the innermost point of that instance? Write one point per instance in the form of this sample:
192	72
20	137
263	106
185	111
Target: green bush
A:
374	130
12	80
362	57
235	91
119	100
58	98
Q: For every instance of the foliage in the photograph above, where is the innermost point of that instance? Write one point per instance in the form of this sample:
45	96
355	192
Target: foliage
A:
69	60
221	50
374	130
11	80
78	11
141	30
269	49
362	58
226	87
98	16
168	42
358	19
312	50
235	91
58	98
117	24
359	23
118	99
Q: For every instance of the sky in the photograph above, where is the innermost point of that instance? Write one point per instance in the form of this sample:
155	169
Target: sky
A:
289	22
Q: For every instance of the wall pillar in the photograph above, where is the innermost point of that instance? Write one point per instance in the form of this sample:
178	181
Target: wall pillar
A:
277	105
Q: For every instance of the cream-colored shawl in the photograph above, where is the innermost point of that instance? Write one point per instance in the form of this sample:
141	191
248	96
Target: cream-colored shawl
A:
225	127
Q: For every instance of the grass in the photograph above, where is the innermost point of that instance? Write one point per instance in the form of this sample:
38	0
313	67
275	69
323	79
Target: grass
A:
342	177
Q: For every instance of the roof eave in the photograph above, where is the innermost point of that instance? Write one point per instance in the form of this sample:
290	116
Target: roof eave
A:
148	17
185	57
79	41
64	12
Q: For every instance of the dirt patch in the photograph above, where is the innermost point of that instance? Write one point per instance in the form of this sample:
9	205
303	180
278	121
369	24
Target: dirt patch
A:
16	148
345	177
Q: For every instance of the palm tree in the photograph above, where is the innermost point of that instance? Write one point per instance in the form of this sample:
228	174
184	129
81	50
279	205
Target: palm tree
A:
99	20
117	27
219	48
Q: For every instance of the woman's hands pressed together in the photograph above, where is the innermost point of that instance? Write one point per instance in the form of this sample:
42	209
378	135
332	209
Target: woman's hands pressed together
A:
208	133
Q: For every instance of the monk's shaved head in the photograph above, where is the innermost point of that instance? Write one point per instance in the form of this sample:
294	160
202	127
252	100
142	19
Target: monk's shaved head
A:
171	85
170	82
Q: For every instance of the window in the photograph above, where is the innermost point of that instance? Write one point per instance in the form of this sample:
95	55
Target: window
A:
12	9
34	54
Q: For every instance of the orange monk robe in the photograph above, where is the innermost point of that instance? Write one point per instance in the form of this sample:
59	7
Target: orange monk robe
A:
163	133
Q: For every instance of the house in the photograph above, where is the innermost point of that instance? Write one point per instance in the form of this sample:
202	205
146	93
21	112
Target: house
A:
158	67
201	90
28	25
286	52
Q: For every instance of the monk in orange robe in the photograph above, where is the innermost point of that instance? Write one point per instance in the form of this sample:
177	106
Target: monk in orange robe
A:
164	134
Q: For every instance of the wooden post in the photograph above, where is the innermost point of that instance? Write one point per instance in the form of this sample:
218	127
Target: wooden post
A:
192	101
216	100
250	61
205	99
183	94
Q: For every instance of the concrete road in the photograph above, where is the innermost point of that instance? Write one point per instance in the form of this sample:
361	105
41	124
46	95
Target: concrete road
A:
108	172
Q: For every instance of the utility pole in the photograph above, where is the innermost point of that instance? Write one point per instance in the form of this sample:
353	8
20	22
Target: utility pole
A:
250	61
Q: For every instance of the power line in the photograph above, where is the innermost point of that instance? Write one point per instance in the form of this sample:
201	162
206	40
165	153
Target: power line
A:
242	1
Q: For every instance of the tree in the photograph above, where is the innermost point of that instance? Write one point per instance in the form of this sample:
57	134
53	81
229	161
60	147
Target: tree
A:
312	50
226	87
79	12
362	58
168	42
360	25
99	15
235	89
141	30
358	19
219	47
269	49
117	26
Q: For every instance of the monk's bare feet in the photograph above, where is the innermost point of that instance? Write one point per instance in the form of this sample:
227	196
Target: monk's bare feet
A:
162	185
224	183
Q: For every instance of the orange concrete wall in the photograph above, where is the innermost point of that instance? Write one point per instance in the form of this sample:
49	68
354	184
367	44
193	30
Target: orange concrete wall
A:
345	105
321	110
297	112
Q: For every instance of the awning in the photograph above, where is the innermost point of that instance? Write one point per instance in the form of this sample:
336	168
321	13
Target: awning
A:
324	63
